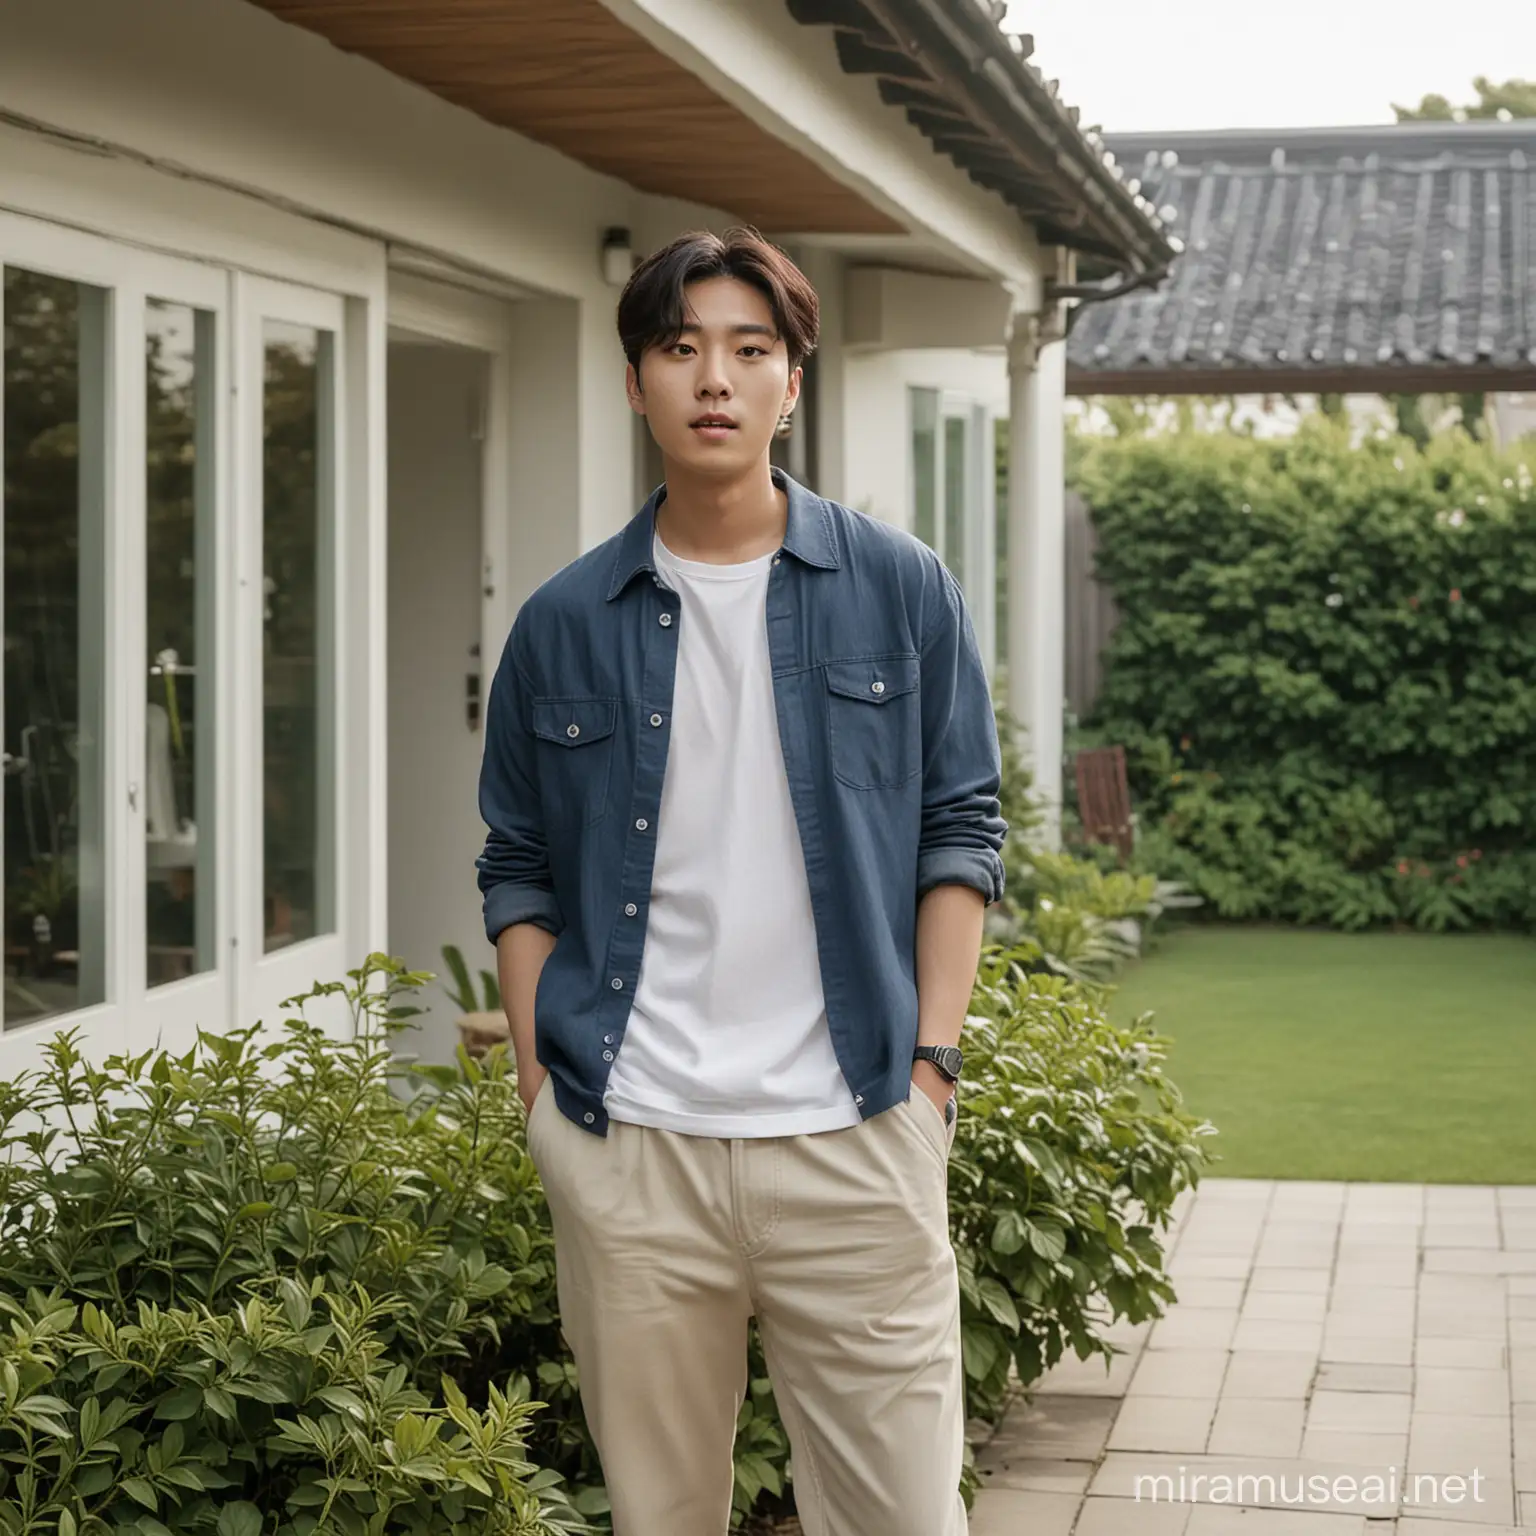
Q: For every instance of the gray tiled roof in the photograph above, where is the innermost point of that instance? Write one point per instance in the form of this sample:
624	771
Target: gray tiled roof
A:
1366	258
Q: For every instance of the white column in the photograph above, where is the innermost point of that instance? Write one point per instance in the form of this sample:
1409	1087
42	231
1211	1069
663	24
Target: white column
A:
1036	557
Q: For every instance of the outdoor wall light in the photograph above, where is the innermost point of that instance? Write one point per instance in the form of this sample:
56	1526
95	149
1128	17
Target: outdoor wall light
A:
618	256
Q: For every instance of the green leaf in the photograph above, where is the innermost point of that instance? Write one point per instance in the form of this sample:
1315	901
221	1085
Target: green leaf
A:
280	1173
141	1491
183	1403
999	1303
1048	1240
240	1519
980	1349
1009	1233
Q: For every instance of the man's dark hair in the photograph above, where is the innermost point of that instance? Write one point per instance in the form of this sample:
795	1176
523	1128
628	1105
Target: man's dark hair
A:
651	308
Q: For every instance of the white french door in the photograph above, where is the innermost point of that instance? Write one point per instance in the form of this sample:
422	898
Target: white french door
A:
288	739
172	610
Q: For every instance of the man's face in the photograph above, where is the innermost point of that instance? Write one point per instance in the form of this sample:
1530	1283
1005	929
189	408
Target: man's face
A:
714	397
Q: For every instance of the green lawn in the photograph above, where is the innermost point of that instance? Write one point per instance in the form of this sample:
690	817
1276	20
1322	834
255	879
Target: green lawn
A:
1351	1056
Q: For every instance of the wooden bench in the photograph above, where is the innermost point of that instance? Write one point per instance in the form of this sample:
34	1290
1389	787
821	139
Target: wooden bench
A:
1104	798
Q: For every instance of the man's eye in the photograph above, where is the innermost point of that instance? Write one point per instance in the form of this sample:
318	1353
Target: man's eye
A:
755	351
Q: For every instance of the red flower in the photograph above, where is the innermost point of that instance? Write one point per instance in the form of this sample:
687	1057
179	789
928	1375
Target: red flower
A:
1455	594
1413	602
1402	866
1461	861
1477	853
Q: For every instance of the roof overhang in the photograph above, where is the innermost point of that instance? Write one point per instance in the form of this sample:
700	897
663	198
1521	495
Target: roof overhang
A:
572	75
970	89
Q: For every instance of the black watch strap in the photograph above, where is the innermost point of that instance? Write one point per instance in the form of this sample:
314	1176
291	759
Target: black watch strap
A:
947	1058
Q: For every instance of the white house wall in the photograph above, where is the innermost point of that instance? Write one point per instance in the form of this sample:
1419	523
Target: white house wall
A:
878	465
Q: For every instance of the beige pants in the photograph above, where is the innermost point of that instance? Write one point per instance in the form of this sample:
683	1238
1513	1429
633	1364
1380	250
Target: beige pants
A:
665	1246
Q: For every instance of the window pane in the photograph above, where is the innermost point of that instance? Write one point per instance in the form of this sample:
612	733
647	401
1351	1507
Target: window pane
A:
955	498
298	782
55	601
179	735
925	465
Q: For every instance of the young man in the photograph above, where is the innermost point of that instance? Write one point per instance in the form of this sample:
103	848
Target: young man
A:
741	779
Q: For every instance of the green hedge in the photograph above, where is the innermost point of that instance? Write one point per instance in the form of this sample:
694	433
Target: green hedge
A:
1325	672
278	1285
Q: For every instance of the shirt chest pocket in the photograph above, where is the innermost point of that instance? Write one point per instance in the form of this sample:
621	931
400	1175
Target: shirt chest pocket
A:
575	756
874	720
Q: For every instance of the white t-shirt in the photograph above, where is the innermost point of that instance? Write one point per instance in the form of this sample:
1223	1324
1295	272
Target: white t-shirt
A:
727	1032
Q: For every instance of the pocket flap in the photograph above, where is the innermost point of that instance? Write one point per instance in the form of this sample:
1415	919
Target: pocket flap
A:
874	680
574	722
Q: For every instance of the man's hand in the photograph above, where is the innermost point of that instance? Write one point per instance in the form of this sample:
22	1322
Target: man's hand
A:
933	1082
529	1083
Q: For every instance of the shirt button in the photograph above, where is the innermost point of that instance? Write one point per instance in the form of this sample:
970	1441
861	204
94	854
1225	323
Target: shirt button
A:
589	1117
655	719
607	1055
573	730
877	687
775	559
666	619
617	983
642	824
630	909
607	1039
858	1098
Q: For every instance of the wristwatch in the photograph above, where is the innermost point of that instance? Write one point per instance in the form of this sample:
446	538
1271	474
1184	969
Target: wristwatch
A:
947	1058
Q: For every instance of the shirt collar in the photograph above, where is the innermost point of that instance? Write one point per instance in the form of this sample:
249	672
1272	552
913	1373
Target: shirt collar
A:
807	534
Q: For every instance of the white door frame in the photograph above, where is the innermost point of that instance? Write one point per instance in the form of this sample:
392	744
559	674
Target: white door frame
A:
483	324
134	255
132	1014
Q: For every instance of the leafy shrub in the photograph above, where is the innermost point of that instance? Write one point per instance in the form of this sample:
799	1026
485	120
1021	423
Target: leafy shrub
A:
255	1281
1069	1152
1325	671
281	1285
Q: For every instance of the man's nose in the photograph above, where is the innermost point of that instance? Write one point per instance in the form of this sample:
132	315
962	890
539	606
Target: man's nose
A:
714	379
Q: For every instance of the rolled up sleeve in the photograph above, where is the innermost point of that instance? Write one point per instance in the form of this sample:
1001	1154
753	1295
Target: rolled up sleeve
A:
514	874
962	824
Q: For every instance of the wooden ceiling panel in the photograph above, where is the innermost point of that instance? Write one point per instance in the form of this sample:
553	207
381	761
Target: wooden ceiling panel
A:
569	74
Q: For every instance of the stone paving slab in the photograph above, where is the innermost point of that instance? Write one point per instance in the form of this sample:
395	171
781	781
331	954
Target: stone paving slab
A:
1336	1333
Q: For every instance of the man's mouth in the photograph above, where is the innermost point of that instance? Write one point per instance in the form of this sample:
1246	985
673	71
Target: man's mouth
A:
713	423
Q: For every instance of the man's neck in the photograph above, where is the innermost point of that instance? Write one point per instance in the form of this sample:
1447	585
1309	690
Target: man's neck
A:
722	522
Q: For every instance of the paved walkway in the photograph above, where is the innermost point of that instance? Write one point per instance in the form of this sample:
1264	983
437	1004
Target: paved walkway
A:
1324	1332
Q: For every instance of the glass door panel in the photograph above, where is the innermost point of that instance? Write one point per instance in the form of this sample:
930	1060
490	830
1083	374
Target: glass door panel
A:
55	401
180	592
290	492
298	600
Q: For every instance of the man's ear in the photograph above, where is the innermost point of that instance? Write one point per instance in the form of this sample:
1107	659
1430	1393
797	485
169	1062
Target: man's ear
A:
792	394
633	390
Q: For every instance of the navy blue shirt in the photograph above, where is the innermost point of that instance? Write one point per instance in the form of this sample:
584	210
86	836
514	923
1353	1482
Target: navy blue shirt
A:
890	747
